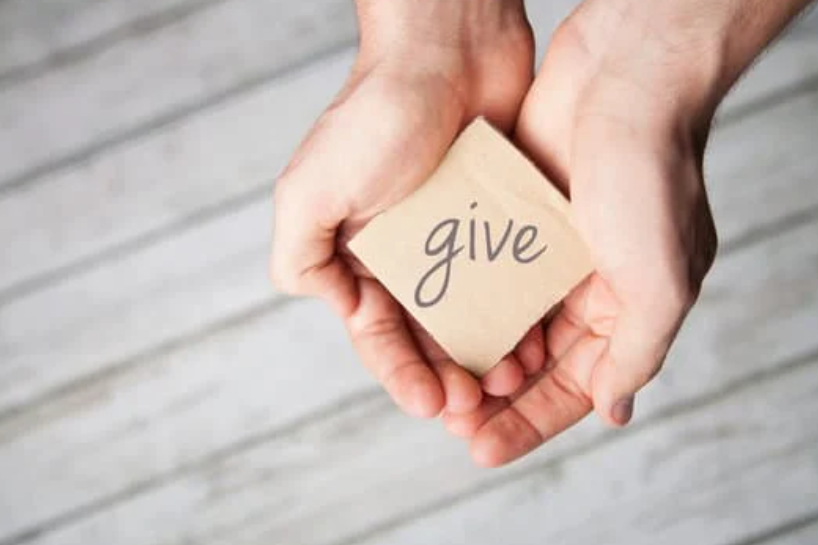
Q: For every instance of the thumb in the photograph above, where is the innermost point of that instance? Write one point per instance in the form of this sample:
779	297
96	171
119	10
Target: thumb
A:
377	143
632	210
303	259
308	211
636	353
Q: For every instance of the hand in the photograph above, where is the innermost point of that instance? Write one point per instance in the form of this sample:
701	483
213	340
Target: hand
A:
423	72
620	124
619	116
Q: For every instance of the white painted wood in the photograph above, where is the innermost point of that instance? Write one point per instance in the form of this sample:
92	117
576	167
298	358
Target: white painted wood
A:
134	84
757	171
257	375
162	178
804	535
154	183
226	151
712	475
42	32
808	23
173	288
790	61
357	467
214	272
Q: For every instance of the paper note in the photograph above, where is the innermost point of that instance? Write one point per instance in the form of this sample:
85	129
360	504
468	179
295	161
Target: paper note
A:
480	252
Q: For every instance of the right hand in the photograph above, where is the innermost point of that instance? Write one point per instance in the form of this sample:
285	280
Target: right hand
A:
424	71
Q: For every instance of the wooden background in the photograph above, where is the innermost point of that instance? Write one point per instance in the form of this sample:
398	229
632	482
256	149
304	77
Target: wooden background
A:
155	390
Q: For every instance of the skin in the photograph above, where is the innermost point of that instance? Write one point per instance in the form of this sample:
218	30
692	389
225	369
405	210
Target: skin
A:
618	117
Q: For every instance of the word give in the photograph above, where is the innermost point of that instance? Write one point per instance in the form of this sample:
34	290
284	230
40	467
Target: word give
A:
442	242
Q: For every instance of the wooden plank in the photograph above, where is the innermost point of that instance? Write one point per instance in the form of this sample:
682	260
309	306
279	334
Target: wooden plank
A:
113	282
131	181
109	312
118	198
719	473
151	187
63	116
146	448
803	531
38	34
787	65
184	399
165	293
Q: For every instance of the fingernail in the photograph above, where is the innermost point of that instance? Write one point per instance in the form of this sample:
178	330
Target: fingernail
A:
623	411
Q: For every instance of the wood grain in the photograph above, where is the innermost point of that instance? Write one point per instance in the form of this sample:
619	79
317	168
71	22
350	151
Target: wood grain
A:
253	378
168	293
115	201
183	174
154	389
171	286
717	473
38	35
254	381
798	531
70	114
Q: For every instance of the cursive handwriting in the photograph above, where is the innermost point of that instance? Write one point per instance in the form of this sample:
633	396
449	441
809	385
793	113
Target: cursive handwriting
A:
442	243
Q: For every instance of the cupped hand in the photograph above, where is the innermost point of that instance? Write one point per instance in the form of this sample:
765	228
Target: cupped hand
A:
413	88
620	126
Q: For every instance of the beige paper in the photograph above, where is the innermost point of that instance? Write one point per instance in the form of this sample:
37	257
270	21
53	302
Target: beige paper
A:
480	252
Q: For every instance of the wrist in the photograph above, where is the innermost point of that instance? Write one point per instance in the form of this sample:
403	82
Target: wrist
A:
681	55
481	52
432	31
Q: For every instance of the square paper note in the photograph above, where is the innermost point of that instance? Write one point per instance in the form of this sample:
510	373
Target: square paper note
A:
480	252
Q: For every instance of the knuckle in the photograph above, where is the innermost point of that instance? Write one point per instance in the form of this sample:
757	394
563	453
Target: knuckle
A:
563	382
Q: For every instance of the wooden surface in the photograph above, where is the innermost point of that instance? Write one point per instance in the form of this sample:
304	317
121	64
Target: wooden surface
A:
154	389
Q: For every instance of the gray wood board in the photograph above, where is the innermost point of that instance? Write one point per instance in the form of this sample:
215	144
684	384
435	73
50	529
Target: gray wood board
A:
294	422
38	35
718	473
68	115
176	285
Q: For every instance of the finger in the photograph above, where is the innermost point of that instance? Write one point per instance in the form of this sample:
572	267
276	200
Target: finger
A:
462	390
637	350
466	425
386	347
530	351
591	306
505	378
303	260
337	176
306	219
463	393
643	261
559	399
562	333
570	322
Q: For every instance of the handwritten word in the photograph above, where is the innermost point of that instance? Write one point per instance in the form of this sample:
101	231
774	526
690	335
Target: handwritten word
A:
442	243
